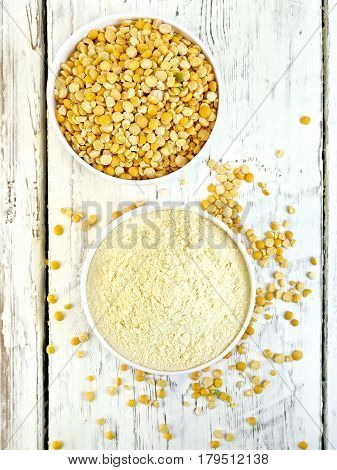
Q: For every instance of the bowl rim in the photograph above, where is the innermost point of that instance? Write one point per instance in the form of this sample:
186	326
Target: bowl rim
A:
69	45
134	213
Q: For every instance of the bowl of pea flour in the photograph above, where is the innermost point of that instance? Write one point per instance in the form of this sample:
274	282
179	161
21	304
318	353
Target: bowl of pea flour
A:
168	291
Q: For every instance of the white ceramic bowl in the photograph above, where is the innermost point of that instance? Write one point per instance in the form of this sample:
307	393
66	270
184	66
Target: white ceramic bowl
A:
68	47
130	215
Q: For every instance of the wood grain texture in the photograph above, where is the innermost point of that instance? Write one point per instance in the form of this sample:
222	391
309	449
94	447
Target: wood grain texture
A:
22	226
254	43
330	228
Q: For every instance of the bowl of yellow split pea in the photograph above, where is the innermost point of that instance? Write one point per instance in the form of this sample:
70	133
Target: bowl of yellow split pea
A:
135	100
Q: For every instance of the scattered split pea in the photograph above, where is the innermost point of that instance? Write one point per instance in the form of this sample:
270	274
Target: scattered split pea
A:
50	349
305	120
52	298
252	421
58	230
109	435
59	316
214	444
303	445
74	341
89	396
297	355
54	265
57	445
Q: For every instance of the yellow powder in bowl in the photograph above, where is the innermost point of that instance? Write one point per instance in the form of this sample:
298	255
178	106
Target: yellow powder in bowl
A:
168	290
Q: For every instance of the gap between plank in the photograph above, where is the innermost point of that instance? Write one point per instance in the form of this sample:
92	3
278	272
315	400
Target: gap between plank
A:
44	146
324	245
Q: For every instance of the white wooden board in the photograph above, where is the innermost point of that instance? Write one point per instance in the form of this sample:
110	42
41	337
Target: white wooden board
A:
22	236
254	42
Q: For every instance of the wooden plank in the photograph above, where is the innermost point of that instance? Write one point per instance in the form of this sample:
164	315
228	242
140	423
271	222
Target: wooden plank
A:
80	190
246	38
330	229
22	226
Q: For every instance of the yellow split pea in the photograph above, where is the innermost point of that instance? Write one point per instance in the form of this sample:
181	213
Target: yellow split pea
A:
305	120
52	298
54	265
57	445
136	100
50	349
58	230
89	396
110	435
303	445
252	421
59	316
